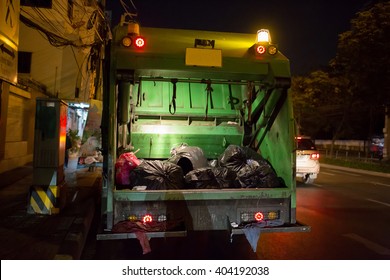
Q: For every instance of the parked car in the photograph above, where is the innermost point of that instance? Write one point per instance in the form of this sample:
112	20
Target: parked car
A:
307	160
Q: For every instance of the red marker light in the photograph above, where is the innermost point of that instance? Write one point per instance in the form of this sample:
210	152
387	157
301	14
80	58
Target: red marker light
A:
259	216
147	218
260	49
139	42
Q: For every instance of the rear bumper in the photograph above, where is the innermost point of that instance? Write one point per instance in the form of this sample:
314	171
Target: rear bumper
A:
297	227
302	170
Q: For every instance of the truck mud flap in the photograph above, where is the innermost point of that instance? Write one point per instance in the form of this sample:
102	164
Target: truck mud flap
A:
253	230
297	227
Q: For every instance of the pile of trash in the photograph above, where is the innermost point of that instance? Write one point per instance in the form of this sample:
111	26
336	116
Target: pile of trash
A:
188	168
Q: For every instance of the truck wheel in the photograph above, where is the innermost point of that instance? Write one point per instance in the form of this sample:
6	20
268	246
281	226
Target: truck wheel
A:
307	179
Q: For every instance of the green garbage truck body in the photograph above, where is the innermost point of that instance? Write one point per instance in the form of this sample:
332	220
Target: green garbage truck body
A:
172	88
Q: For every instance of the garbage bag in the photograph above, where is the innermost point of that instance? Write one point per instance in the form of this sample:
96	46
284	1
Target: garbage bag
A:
201	178
211	178
225	177
157	175
188	157
124	165
252	170
131	158
233	158
258	174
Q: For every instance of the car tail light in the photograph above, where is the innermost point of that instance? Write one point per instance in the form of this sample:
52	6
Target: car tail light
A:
315	156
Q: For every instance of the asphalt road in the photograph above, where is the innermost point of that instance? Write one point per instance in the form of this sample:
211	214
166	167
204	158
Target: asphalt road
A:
349	215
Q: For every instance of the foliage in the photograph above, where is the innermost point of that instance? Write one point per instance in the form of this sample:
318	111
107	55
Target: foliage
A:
75	138
320	101
363	54
347	99
383	167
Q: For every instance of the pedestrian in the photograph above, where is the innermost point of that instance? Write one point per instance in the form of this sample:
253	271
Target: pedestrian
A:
68	145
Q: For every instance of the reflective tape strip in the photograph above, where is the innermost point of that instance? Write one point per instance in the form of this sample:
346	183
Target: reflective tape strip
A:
44	200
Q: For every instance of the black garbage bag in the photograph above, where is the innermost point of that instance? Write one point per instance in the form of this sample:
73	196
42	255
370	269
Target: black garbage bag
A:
201	178
258	174
211	178
252	170
188	157
157	175
233	158
236	157
225	177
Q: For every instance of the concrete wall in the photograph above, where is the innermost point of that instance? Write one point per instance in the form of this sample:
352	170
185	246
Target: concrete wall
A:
16	126
349	145
60	69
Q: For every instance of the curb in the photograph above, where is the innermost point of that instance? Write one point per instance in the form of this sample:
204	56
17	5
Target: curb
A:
73	244
75	239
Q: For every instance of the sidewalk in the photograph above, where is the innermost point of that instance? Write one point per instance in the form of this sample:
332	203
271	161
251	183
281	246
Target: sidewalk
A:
26	236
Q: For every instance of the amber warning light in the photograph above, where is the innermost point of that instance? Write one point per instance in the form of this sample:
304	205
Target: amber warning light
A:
263	43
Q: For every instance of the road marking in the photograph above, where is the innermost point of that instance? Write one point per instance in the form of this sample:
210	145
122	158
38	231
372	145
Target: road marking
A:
380	202
346	173
327	173
353	174
379	249
380	184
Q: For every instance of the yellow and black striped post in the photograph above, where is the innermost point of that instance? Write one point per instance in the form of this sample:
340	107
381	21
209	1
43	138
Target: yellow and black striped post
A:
44	200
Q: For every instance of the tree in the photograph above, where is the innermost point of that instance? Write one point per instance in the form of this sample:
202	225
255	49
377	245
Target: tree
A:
319	101
347	99
363	57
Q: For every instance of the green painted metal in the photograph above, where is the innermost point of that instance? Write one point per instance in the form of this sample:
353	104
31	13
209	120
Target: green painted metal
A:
231	194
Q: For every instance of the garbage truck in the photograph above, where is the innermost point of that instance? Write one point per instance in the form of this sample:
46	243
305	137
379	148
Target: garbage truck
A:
197	134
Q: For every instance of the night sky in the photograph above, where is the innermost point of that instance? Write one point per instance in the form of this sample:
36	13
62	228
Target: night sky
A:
305	31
